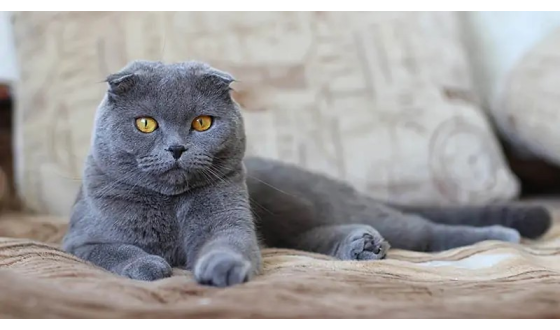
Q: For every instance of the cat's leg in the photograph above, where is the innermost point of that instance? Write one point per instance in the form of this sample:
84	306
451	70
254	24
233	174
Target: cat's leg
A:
290	201
316	222
445	237
412	232
531	221
125	260
345	242
221	244
363	242
409	232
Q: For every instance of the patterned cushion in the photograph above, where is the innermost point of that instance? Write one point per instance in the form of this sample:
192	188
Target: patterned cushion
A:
382	100
527	109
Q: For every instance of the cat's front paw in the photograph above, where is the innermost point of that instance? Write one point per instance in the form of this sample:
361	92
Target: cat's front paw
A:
363	244
147	268
222	269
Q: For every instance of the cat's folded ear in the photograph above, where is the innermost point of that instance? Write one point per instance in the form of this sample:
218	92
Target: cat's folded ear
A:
120	83
216	79
225	78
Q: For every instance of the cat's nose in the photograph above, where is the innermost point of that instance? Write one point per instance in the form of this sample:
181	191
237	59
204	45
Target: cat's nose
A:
176	151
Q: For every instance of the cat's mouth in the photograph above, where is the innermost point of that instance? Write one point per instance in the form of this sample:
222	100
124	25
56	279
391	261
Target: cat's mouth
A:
174	172
173	167
159	168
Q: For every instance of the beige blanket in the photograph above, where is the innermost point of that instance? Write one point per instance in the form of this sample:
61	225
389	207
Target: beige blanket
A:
490	279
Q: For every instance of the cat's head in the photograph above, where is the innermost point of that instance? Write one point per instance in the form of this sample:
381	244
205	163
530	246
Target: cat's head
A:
168	127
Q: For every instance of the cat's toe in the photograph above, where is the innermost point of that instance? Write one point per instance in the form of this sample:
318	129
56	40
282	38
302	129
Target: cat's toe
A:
222	269
363	245
371	250
149	268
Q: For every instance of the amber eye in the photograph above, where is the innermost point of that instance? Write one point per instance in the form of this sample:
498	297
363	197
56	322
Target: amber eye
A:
202	123
146	124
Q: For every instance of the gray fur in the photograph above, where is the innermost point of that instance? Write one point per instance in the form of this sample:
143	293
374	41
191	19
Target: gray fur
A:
291	202
140	211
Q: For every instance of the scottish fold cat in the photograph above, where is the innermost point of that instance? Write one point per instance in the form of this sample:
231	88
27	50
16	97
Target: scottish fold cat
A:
166	185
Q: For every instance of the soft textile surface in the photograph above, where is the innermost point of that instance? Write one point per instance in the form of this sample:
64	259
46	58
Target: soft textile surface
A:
320	89
490	279
527	109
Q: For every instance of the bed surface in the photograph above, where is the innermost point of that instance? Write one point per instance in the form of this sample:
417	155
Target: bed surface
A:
489	279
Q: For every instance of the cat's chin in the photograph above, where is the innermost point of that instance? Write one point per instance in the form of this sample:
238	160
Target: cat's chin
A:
177	177
174	176
171	183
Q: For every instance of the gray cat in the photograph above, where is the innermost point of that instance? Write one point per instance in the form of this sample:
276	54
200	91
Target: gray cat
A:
165	185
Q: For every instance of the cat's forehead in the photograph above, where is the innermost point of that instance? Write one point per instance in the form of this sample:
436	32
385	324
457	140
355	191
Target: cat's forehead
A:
190	77
186	71
189	86
166	76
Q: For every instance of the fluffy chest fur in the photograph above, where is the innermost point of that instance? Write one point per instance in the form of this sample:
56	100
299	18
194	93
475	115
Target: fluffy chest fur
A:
108	210
152	221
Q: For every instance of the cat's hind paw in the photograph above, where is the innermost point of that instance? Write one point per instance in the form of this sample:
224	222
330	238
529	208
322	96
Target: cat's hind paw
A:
363	244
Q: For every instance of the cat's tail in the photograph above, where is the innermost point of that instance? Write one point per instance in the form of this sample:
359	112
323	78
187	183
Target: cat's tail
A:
530	221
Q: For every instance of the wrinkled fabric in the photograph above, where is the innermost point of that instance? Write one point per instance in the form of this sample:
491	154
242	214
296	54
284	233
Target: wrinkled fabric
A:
489	279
